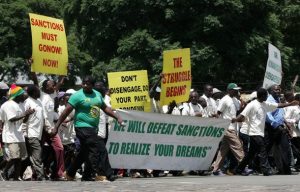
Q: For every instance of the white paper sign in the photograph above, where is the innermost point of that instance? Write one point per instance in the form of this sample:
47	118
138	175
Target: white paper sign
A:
273	73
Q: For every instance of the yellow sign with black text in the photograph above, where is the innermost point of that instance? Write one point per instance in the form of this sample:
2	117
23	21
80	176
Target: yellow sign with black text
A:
129	90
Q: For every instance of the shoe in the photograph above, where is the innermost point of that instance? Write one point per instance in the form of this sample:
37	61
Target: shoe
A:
249	171
100	178
268	173
87	179
40	179
68	177
112	178
59	179
245	172
136	175
3	176
218	173
18	179
228	172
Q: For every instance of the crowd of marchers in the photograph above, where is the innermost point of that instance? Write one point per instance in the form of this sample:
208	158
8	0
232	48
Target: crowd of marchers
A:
50	134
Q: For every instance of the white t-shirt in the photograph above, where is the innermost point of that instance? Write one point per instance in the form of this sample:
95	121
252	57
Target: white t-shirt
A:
245	127
176	110
35	123
292	115
104	118
12	131
48	108
190	109
66	131
228	110
211	106
256	113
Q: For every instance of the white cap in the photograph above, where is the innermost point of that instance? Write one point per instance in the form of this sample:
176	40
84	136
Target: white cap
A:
158	89
70	91
215	90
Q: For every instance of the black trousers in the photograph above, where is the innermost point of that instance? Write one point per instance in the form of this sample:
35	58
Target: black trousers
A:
278	140
88	152
257	147
296	150
92	151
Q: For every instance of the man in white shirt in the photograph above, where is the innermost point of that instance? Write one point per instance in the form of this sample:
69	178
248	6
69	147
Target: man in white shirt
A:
228	110
13	115
193	108
211	103
292	116
256	112
48	94
34	129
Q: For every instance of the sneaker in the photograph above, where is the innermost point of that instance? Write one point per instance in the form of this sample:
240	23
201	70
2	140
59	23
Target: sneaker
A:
78	176
218	173
112	178
268	173
249	171
229	172
68	177
3	176
243	173
136	175
100	178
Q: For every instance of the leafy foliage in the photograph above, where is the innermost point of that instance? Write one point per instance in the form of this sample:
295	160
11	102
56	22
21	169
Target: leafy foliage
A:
228	39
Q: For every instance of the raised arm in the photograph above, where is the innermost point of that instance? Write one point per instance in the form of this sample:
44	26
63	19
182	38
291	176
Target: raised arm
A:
32	75
152	90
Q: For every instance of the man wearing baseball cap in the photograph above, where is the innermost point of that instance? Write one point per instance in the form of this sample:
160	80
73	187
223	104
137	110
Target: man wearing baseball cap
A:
227	109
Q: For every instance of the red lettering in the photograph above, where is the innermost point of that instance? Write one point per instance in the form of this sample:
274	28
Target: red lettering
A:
49	36
176	91
47	24
50	63
50	49
176	77
177	62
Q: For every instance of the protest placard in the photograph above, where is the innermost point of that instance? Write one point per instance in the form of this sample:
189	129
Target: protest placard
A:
164	142
129	90
273	73
176	81
49	45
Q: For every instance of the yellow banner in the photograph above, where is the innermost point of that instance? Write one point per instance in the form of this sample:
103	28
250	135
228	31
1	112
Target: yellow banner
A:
129	90
49	45
176	81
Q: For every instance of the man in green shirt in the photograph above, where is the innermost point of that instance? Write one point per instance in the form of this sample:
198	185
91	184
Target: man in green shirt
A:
87	103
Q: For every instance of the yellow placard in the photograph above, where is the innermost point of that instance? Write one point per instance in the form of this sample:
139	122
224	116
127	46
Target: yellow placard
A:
176	81
129	90
49	45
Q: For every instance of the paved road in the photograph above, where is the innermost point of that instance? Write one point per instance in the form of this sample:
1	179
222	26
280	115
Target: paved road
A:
186	183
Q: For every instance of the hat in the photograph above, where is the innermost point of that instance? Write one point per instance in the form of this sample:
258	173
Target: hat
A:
158	89
233	86
215	90
70	91
60	94
3	86
15	91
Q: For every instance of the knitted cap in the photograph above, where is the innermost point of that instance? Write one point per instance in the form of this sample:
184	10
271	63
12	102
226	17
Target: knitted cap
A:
15	91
